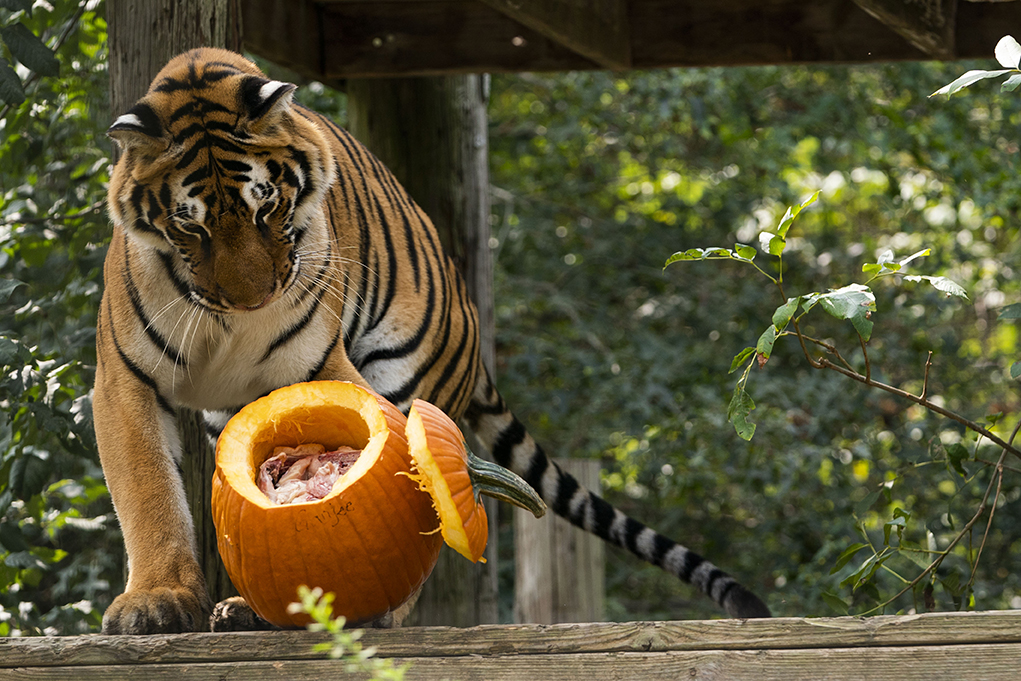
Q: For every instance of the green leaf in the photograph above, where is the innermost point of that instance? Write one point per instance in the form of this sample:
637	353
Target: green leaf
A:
854	302
1015	370
711	253
745	251
785	222
835	602
28	49
783	314
740	359
920	254
1012	311
10	85
793	212
764	348
862	507
899	523
741	405
1008	52
956	453
951	288
1011	83
772	243
23	560
845	557
17	5
967	79
7	286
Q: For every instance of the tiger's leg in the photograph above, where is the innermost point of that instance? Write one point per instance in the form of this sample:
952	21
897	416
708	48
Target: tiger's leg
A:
138	444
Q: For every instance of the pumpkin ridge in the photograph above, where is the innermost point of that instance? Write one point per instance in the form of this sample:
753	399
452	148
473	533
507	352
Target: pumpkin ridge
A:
382	493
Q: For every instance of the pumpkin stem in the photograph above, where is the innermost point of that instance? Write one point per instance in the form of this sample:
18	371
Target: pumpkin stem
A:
496	481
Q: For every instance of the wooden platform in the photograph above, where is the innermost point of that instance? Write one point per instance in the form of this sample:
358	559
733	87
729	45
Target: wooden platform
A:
959	646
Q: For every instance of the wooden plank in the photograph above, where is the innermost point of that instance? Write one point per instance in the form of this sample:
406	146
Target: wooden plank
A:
596	29
559	573
519	639
929	26
988	662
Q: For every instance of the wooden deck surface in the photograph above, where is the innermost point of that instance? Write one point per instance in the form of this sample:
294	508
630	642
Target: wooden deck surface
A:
957	646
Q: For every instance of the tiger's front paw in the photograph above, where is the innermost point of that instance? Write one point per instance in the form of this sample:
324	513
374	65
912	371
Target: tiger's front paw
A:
160	610
234	614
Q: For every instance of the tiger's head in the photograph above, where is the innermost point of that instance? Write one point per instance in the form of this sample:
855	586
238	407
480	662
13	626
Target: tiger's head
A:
223	176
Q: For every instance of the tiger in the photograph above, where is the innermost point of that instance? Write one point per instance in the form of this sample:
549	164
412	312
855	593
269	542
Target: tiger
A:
256	244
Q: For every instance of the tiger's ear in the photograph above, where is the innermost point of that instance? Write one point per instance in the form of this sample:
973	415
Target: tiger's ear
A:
263	98
138	127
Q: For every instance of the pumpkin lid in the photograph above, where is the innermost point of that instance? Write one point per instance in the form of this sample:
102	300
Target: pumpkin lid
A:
455	478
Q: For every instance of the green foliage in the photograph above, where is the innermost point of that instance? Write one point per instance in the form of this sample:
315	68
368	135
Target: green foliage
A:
345	645
59	546
1008	53
19	42
604	354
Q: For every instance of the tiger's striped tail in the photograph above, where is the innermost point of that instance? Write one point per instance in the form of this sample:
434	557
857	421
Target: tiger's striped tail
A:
512	447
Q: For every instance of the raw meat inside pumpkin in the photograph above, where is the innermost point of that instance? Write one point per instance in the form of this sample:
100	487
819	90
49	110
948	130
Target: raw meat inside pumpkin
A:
307	472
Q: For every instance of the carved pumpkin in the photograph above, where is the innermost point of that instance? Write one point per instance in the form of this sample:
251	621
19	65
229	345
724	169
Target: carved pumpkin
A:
372	540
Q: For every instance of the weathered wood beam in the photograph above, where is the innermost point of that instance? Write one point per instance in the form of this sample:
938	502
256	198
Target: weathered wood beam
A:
926	24
596	29
907	648
358	38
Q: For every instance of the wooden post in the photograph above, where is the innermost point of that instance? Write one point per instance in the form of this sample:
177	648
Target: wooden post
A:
559	568
144	36
432	133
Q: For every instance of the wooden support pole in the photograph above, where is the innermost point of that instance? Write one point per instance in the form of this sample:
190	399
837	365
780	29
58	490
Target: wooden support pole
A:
559	568
143	37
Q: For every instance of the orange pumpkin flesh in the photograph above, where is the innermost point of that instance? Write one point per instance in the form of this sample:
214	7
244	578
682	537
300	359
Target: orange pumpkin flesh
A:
441	460
454	478
371	541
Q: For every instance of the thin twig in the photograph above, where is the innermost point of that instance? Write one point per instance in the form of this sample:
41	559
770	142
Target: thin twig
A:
989	523
986	462
960	535
868	364
925	379
928	404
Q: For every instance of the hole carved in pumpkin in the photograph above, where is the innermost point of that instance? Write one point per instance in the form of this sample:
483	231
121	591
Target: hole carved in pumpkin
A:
304	473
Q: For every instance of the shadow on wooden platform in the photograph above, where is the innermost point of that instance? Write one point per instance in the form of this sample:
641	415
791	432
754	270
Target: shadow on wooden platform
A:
959	646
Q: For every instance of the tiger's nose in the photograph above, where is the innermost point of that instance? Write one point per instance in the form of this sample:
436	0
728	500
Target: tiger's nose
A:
249	308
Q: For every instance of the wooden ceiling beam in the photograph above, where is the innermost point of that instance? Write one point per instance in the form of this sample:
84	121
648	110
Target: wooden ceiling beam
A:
329	40
927	24
596	29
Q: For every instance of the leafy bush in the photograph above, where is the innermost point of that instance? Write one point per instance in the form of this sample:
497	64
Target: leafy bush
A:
61	558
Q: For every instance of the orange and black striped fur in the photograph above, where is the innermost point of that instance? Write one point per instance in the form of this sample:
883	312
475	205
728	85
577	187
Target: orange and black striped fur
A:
256	245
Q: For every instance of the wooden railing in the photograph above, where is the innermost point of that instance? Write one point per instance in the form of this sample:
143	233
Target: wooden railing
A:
957	646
